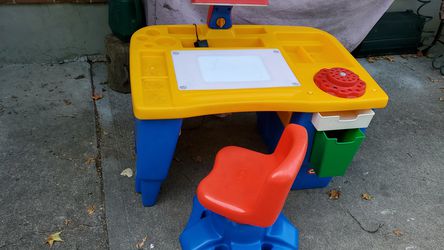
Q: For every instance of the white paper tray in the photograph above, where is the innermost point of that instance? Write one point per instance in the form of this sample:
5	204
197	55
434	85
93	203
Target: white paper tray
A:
326	121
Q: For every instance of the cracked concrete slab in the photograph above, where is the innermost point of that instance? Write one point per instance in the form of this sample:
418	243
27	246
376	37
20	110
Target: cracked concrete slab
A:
48	148
399	164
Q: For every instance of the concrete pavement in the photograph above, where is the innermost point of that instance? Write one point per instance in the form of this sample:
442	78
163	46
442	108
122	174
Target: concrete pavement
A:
61	155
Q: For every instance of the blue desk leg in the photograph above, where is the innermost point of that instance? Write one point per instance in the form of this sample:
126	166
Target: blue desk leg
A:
155	145
304	119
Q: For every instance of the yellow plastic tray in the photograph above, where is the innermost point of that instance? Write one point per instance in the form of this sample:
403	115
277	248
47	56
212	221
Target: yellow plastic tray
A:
155	93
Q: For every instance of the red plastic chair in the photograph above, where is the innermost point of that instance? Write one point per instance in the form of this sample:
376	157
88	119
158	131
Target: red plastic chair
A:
248	187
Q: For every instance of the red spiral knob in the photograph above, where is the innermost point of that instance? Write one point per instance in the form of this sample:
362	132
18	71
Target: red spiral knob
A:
340	82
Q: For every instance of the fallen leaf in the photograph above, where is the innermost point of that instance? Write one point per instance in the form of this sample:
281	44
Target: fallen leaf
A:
141	243
389	58
197	159
53	238
366	196
398	232
127	172
434	80
96	97
67	222
67	102
311	171
90	161
371	59
405	56
91	209
334	194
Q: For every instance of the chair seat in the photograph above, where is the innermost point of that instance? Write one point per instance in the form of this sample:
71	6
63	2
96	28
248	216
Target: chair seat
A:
236	179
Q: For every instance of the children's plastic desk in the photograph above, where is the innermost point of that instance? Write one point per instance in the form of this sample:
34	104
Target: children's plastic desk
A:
160	104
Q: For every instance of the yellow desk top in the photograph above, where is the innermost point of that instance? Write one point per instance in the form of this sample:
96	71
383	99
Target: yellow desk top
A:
155	93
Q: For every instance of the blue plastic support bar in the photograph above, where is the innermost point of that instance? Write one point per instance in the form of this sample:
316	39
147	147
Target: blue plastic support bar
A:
271	128
304	119
207	230
155	145
222	13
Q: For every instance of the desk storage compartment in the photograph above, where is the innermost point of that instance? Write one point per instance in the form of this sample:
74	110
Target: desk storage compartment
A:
326	121
333	151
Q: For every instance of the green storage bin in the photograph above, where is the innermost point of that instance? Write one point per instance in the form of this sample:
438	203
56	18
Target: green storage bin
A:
333	151
125	17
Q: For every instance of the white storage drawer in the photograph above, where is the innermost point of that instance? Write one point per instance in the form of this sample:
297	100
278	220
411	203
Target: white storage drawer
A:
326	121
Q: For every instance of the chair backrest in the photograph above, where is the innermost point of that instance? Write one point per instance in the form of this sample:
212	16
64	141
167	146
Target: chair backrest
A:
291	149
289	155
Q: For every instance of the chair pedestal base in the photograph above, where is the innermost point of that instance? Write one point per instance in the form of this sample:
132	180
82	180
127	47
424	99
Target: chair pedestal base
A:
208	230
